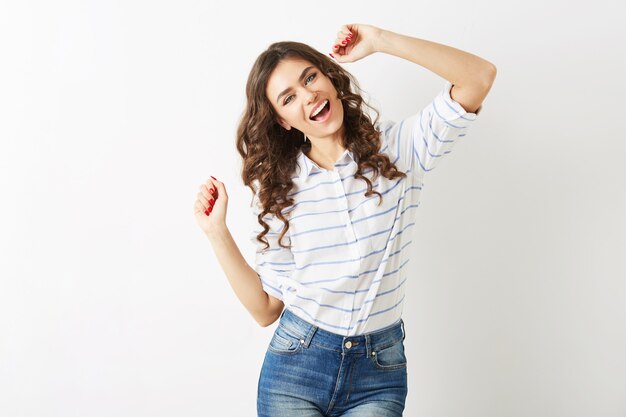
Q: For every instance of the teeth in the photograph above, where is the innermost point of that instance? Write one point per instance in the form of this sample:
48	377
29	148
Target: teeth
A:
319	109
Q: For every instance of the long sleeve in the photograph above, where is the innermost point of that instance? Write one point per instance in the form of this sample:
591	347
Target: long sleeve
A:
274	263
421	140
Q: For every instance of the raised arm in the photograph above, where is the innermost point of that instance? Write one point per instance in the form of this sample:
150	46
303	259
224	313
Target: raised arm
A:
471	75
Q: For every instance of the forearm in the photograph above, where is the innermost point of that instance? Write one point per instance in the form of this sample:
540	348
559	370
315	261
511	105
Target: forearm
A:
243	279
459	67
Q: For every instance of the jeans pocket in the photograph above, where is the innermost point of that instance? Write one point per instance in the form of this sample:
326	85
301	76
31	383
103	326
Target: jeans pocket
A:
285	342
391	357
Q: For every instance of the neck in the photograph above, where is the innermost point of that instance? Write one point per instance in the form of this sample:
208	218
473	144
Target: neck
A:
325	151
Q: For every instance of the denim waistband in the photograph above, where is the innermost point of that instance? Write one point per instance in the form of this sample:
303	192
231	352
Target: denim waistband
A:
363	343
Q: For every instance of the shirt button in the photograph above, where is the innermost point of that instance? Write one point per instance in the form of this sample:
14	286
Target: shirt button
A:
348	344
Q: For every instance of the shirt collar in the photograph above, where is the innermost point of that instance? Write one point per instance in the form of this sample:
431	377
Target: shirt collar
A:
306	166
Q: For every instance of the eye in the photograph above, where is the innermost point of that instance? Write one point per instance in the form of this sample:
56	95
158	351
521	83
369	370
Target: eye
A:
313	75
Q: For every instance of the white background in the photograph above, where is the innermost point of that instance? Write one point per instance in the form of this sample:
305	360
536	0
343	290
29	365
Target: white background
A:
112	114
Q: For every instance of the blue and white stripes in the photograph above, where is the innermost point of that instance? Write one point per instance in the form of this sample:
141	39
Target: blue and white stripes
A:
433	132
350	258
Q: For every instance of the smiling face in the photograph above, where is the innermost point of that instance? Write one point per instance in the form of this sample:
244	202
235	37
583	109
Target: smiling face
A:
296	88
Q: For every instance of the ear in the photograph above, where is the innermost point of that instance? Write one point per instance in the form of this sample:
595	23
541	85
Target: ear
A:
284	124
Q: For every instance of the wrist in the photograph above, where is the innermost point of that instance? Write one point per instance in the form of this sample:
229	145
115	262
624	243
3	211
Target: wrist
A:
381	40
217	233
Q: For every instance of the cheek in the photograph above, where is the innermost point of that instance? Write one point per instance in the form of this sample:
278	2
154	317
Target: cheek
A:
291	114
296	111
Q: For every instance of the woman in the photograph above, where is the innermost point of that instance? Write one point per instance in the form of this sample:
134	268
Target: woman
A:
335	194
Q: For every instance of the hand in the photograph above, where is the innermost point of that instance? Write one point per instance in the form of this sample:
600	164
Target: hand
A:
360	41
210	207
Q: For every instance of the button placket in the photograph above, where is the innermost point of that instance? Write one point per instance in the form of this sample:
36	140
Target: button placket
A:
342	202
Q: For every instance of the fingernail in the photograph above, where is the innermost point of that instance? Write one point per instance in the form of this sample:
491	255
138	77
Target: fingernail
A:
206	212
210	209
211	201
331	55
343	42
211	190
213	177
336	47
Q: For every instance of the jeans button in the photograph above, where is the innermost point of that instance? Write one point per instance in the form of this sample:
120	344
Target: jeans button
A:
348	344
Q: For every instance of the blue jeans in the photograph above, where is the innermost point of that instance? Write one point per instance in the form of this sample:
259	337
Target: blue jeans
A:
310	372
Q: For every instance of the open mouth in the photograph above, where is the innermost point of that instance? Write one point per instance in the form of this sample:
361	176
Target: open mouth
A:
323	114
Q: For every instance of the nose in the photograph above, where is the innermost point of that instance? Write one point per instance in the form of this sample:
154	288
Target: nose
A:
311	97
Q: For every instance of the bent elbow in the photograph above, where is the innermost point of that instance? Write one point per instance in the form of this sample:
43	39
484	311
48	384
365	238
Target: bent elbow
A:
263	323
490	75
266	321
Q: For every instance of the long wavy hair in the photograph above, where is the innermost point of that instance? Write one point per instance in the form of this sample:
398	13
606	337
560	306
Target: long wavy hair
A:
270	151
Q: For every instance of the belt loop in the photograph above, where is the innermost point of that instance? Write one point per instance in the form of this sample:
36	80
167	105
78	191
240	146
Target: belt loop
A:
309	336
368	346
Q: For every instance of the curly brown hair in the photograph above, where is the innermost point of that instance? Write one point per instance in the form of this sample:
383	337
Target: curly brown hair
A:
270	151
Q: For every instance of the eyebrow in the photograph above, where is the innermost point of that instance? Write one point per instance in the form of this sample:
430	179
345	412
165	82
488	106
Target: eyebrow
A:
299	80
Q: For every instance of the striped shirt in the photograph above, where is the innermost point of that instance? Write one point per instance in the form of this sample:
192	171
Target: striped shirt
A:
347	269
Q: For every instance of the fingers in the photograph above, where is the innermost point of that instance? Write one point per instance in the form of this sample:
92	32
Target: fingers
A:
207	195
339	47
220	189
344	37
198	207
212	186
346	30
206	201
342	40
